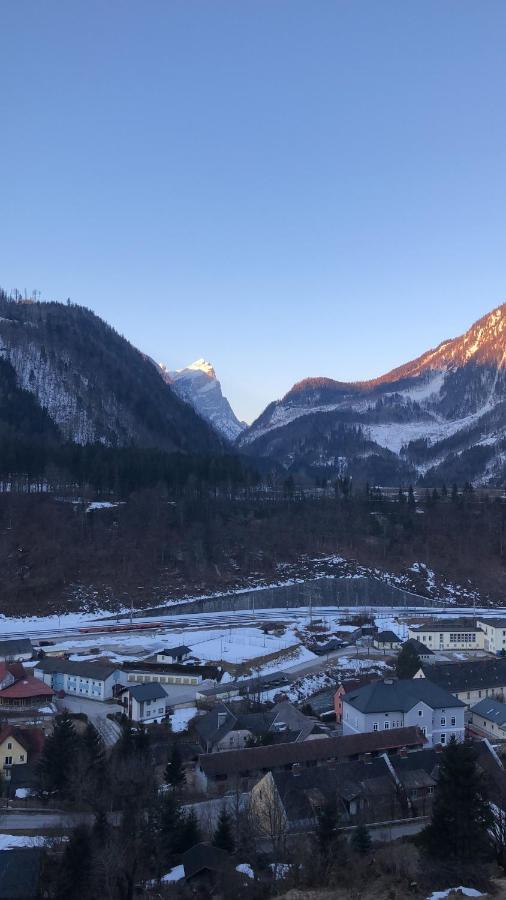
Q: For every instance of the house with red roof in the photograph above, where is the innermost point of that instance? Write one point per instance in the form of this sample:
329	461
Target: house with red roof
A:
19	690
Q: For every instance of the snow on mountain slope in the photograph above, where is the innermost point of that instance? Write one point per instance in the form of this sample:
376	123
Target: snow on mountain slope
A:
198	385
447	405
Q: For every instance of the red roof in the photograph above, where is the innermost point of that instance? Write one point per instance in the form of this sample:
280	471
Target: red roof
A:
16	669
27	687
32	739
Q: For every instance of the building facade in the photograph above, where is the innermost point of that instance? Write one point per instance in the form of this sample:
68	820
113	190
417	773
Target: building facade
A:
456	635
391	704
495	634
87	679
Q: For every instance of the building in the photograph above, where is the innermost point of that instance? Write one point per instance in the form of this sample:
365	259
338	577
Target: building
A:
424	653
170	673
144	702
94	680
16	649
387	640
393	703
469	681
449	635
19	747
240	769
173	654
342	689
26	692
225	729
495	634
489	716
384	789
205	866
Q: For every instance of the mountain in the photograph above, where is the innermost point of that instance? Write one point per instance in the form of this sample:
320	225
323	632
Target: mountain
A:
75	379
439	418
198	385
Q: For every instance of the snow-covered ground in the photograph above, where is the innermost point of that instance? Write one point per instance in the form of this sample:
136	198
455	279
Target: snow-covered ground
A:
464	891
181	718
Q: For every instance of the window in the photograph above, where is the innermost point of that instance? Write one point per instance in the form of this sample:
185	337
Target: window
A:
8	760
386	726
374	726
9	746
468	695
420	712
21	757
443	720
443	738
453	721
479	693
424	731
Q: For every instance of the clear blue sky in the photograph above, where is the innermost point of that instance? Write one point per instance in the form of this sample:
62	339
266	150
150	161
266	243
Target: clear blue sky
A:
287	188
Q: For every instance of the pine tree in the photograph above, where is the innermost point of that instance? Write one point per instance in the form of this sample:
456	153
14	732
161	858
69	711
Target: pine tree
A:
75	874
58	755
361	840
408	662
174	772
169	828
326	831
411	497
189	832
223	836
94	747
461	815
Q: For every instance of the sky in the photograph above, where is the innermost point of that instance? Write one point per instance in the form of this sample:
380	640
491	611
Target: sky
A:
286	188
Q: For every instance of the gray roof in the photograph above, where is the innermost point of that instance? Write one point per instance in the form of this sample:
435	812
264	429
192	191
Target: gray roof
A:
387	637
491	709
471	675
180	650
420	648
449	625
401	695
494	620
20	873
149	691
15	645
98	671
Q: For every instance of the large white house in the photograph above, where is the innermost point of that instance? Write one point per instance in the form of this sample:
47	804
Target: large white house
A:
95	681
145	702
393	703
449	635
494	631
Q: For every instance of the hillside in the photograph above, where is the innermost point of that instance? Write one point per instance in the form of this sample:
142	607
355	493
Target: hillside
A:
440	417
88	384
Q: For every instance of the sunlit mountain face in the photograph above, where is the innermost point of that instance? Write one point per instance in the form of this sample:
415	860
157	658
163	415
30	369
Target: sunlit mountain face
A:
439	418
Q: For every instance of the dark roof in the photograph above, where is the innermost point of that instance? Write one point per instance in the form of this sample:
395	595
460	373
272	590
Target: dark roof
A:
205	856
471	675
20	873
387	637
214	725
15	645
448	625
491	709
180	650
98	671
259	682
420	648
494	620
392	695
149	691
318	749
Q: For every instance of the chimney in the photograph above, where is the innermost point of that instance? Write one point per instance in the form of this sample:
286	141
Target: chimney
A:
367	758
403	753
296	769
222	717
388	681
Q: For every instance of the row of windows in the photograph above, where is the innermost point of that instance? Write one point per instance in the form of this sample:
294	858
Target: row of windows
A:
163	679
459	638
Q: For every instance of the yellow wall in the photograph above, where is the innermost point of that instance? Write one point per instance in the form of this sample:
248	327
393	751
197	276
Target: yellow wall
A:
18	753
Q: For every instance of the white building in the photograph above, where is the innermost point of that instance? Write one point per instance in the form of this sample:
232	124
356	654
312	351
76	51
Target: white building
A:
449	635
495	634
388	704
145	702
95	681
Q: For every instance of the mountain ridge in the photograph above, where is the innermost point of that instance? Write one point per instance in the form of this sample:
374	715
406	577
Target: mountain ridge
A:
398	421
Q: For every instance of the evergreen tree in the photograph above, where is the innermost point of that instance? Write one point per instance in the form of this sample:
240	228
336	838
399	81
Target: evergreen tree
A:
169	828
326	831
74	877
361	840
223	836
189	832
411	497
174	772
461	815
94	747
408	662
58	756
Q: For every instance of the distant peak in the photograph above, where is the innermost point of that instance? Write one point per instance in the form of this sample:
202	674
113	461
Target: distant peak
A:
201	365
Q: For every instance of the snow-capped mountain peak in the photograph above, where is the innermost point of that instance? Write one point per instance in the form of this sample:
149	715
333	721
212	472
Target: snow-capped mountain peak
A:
198	385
